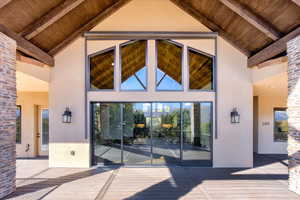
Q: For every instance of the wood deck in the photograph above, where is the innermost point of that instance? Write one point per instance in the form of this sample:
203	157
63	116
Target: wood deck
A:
268	180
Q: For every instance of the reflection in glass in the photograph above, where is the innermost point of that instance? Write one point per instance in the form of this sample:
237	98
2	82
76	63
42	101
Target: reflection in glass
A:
136	133
45	126
197	131
166	133
200	71
18	125
102	70
281	128
169	66
107	133
152	133
134	70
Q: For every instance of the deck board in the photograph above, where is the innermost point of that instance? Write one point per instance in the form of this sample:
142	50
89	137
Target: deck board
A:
267	180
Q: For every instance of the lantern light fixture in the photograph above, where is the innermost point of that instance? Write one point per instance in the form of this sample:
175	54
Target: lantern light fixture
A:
67	116
235	116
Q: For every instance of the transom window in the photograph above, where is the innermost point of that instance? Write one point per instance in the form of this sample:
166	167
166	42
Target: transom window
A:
134	69
169	66
200	70
281	128
102	69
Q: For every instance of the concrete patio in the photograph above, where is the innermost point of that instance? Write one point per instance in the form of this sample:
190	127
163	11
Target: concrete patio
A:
267	180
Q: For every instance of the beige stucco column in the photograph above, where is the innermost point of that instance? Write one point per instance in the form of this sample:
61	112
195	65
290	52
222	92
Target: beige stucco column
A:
293	50
7	115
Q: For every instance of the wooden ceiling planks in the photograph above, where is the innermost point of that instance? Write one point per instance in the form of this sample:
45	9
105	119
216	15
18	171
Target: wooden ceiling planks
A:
89	25
4	3
102	69
252	18
20	13
70	23
272	50
200	70
284	15
49	18
27	47
232	24
296	2
211	25
133	56
169	59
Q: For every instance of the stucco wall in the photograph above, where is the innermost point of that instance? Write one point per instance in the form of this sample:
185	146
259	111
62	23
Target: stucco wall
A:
28	101
233	148
266	144
270	85
66	89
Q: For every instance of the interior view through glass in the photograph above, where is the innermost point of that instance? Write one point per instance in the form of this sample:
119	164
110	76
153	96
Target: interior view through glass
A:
160	133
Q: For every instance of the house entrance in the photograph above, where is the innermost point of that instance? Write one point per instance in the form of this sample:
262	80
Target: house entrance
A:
152	133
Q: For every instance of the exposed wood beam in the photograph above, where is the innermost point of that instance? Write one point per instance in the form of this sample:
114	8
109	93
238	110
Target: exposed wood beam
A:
252	18
4	3
51	17
210	24
27	47
28	60
89	25
274	61
296	2
272	50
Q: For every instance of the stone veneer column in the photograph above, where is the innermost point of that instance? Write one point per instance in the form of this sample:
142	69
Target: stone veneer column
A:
7	115
293	50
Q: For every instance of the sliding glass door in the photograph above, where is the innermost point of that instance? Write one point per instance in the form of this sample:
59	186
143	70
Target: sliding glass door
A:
196	133
136	133
159	133
166	133
107	133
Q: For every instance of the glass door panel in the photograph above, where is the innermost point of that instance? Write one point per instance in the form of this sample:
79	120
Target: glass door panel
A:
44	129
152	133
136	133
197	131
107	133
166	131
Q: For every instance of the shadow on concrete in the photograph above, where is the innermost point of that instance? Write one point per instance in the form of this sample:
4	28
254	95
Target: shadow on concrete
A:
182	181
43	183
185	179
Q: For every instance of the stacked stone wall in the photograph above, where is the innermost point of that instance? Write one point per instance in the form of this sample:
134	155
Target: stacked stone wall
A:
293	49
7	115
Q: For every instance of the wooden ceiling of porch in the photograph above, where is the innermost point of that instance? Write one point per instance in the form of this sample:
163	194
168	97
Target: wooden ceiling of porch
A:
258	28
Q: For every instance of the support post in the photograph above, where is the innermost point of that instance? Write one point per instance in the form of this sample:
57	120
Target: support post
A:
293	50
7	115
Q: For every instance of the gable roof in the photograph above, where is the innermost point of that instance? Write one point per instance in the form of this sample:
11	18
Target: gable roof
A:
258	28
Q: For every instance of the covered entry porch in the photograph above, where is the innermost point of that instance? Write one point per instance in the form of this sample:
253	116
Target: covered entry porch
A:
267	180
247	33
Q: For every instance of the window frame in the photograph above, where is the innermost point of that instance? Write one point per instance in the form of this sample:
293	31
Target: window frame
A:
181	147
274	125
114	48
213	70
182	64
146	64
20	108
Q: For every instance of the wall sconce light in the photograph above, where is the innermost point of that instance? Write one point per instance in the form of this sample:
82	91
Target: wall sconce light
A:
67	116
235	116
